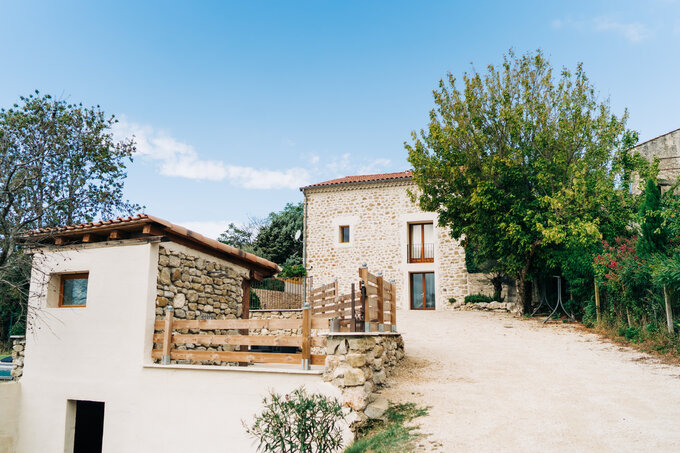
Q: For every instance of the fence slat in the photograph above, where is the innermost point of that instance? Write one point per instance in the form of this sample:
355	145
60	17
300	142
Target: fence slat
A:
237	340
222	324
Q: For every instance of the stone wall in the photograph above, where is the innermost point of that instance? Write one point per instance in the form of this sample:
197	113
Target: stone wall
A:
198	288
378	215
18	351
480	284
667	149
359	364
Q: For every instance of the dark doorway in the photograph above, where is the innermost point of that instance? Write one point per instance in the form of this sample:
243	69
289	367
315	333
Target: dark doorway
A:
89	427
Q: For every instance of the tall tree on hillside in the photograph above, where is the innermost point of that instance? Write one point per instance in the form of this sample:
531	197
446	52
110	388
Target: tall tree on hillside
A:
273	238
520	163
59	164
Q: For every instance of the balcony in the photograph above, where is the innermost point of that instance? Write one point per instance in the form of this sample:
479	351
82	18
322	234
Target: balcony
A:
420	253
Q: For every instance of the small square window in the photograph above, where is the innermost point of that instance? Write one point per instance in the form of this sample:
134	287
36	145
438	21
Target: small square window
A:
73	290
344	234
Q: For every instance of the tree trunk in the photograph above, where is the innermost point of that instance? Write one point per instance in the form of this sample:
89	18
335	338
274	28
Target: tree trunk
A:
524	286
524	289
669	311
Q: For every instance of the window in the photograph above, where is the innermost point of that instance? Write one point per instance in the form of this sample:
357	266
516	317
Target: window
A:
73	290
344	234
421	243
422	291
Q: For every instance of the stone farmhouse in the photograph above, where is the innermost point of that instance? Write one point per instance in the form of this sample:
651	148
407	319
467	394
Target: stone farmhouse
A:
371	219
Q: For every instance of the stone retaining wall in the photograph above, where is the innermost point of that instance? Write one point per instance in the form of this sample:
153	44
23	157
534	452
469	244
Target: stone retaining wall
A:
18	351
359	364
198	288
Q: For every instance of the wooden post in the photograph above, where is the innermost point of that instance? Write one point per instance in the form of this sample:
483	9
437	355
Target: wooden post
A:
363	274
306	337
669	311
353	322
335	299
167	335
245	314
597	302
393	305
381	304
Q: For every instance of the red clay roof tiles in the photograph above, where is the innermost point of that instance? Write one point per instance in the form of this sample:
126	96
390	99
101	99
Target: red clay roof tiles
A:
403	175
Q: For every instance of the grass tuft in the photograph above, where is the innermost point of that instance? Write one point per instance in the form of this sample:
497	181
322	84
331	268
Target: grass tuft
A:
390	435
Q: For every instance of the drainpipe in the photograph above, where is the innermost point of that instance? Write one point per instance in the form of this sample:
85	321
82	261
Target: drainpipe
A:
304	247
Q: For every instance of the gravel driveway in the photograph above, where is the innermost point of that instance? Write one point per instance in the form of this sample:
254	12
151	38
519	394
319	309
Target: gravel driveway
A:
496	383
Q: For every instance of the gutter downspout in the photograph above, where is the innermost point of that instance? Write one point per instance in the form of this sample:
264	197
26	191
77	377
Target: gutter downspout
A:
304	247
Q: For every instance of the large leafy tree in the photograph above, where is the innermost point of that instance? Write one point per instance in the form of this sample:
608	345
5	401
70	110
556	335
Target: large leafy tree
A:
273	238
521	163
59	164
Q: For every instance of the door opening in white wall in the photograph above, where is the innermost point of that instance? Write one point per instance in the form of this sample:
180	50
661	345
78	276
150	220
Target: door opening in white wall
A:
89	426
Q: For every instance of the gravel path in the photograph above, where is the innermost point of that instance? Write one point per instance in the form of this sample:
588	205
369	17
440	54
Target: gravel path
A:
496	383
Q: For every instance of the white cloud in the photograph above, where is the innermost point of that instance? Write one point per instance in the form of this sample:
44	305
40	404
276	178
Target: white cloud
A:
374	166
632	31
253	178
179	159
211	229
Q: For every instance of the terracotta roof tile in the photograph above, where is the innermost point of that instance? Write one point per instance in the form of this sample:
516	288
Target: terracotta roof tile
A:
403	175
167	228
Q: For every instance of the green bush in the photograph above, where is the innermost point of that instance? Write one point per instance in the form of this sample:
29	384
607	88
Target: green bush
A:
255	303
452	300
296	270
298	422
477	298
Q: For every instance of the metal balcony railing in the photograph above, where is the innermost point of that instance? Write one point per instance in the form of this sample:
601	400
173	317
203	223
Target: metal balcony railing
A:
421	253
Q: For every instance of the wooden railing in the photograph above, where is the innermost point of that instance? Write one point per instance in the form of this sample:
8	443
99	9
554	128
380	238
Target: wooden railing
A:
368	307
167	337
379	302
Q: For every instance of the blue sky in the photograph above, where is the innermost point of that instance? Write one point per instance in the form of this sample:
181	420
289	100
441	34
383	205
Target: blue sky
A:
237	104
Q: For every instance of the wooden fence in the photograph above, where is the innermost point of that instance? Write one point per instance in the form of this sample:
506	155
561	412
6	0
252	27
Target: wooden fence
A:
168	337
368	307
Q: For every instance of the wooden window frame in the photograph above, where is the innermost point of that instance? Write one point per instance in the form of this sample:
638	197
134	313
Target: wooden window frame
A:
349	232
410	291
64	277
421	259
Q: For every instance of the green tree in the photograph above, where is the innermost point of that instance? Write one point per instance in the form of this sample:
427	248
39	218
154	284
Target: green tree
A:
59	164
653	238
277	241
521	163
274	238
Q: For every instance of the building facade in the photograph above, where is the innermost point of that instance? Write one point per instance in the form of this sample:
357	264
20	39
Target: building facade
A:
665	148
89	380
372	220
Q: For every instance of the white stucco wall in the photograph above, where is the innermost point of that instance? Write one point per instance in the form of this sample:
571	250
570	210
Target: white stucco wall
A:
10	393
378	215
102	353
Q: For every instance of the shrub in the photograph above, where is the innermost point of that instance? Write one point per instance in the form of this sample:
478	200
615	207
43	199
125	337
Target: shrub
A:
255	303
477	298
452	300
296	270
298	422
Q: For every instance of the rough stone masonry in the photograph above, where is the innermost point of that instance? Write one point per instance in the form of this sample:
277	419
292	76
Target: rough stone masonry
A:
198	288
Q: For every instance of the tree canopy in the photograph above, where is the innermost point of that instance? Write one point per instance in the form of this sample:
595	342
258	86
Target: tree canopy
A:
522	163
59	164
273	238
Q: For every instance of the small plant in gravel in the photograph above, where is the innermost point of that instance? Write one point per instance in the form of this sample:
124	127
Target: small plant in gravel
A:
389	435
298	422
